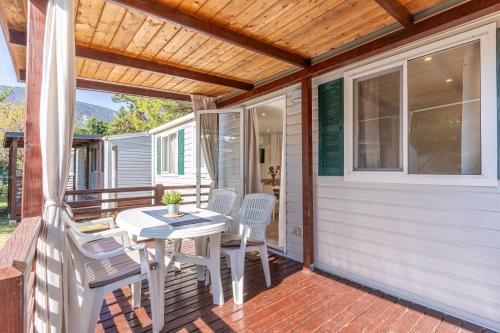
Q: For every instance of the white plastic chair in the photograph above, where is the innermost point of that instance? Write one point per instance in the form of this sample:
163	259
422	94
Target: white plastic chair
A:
253	217
222	201
111	238
99	270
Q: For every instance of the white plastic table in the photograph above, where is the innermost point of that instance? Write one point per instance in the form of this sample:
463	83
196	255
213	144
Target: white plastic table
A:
139	223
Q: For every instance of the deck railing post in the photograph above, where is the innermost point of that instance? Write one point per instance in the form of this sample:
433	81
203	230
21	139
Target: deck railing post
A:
159	190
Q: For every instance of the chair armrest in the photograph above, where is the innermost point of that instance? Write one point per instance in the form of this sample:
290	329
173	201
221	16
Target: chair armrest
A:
107	220
112	253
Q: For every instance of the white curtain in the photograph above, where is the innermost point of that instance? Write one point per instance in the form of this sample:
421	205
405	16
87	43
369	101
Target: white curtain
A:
254	183
209	128
57	113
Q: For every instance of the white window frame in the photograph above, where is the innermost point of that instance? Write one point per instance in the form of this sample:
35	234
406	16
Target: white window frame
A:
487	37
165	145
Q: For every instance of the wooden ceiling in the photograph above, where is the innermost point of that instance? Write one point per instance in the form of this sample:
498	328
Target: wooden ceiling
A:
223	47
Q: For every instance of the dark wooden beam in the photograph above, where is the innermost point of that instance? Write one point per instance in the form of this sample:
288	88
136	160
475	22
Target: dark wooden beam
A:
32	195
17	37
398	11
162	11
118	59
450	18
130	90
307	175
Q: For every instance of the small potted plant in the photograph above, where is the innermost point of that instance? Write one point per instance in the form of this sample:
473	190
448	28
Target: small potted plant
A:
172	199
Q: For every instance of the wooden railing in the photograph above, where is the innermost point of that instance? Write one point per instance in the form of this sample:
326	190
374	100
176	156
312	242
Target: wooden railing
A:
93	203
17	277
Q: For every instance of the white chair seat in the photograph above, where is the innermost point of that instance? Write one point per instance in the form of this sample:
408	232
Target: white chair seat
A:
106	271
234	240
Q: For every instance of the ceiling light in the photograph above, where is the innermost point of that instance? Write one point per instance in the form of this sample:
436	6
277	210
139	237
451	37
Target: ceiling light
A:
449	80
263	114
427	59
268	130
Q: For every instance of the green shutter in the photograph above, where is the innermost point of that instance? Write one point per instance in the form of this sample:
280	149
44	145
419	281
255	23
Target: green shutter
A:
498	102
180	152
331	128
158	155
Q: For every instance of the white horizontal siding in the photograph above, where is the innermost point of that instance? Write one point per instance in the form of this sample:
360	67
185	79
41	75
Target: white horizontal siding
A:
134	161
437	245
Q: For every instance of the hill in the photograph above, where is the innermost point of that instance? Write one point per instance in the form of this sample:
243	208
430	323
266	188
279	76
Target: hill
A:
84	110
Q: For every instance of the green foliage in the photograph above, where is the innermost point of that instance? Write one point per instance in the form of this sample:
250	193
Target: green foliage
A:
143	113
94	126
11	119
5	93
172	198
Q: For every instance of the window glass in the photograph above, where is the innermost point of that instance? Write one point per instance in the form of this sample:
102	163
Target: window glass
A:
377	121
165	152
444	112
172	159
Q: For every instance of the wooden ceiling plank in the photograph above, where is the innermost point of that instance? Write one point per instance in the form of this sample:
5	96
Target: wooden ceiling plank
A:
129	90
339	17
440	22
174	44
116	73
103	71
87	20
118	59
158	42
215	31
128	28
111	18
143	36
398	11
347	33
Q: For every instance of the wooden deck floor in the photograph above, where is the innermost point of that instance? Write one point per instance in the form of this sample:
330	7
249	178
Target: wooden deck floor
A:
298	301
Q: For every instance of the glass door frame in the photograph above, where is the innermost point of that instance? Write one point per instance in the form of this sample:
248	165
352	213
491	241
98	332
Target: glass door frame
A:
241	113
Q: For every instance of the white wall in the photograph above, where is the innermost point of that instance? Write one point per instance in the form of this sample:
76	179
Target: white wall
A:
435	245
189	177
133	161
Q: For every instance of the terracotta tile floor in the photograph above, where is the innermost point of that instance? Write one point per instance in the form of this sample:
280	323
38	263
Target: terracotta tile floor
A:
297	301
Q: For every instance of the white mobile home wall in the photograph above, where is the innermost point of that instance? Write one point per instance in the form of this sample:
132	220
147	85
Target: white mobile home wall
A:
435	245
133	160
189	177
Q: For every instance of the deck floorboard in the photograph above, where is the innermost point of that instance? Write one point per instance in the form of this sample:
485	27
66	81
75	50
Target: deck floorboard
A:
298	301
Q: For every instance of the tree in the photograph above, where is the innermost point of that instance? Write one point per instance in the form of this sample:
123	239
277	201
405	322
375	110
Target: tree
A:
5	93
94	126
143	113
11	119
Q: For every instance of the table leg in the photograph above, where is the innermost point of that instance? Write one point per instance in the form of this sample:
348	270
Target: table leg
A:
199	251
160	259
214	267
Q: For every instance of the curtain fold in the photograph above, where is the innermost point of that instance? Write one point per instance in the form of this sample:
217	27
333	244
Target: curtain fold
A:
57	113
254	180
209	128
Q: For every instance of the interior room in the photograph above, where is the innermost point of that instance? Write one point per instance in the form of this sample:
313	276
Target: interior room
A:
271	158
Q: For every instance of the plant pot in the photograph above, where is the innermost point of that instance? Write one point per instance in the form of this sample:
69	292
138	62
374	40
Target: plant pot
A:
173	209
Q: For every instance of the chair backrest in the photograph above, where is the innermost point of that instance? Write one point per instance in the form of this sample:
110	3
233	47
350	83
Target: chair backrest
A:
255	214
78	259
222	201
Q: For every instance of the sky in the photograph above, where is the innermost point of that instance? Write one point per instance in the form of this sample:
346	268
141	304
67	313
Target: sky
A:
8	78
